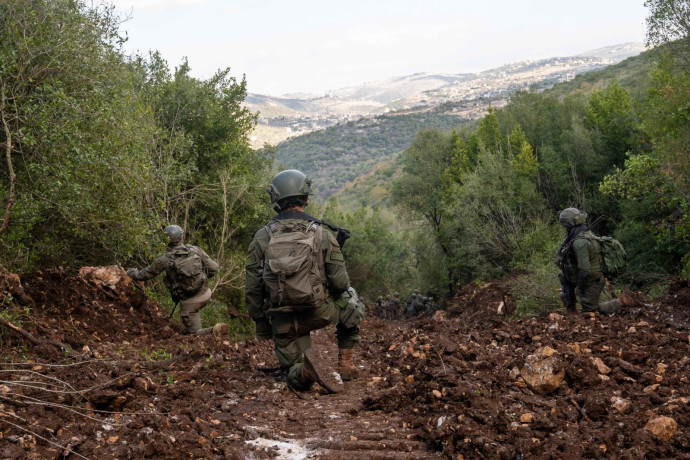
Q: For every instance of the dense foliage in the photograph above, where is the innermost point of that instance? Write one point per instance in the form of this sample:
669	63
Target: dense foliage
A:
336	156
483	200
101	149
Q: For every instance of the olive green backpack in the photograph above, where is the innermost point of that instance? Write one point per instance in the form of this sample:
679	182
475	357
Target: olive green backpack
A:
294	271
614	260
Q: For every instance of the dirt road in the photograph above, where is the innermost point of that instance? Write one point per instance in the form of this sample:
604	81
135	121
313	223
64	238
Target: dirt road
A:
467	383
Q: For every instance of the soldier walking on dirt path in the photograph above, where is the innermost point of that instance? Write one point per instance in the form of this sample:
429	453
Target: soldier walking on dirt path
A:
579	257
380	312
187	269
296	282
394	306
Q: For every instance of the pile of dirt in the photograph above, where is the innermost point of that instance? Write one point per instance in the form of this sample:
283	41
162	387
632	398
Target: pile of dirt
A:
467	383
482	301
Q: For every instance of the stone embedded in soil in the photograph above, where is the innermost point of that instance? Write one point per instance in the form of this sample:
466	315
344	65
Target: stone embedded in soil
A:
574	347
662	428
527	417
547	351
622	405
601	367
103	276
543	373
11	286
651	388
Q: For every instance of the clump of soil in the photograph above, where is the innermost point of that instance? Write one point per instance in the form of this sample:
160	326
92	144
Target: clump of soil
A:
131	385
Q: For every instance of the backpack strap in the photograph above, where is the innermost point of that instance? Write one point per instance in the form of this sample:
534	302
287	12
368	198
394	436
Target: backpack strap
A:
342	233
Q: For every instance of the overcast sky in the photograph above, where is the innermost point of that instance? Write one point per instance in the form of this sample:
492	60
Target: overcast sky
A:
289	46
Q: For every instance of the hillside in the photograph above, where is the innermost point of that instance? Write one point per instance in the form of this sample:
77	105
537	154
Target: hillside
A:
633	74
336	156
303	113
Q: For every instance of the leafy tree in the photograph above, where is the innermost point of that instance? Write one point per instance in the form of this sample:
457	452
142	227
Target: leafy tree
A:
661	175
609	113
419	189
668	24
523	159
76	136
489	134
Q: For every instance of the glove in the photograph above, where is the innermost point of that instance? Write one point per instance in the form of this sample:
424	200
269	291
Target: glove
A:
264	330
132	271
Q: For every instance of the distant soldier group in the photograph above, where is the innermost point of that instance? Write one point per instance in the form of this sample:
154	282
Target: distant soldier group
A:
392	307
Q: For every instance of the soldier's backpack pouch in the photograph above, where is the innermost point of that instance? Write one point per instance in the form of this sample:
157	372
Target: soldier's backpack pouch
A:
293	270
190	275
352	309
613	257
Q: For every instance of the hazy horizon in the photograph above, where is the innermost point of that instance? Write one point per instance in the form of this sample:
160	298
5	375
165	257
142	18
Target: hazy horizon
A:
311	47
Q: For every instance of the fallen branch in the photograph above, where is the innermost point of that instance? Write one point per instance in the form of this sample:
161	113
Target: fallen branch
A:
33	339
235	314
66	450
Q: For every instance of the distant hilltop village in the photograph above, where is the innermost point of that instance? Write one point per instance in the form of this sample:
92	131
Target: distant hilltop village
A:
469	95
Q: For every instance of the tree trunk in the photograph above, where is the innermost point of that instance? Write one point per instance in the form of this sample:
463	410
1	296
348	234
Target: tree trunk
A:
8	155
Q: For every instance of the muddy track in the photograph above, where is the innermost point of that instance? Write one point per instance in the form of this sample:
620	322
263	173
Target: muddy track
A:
456	385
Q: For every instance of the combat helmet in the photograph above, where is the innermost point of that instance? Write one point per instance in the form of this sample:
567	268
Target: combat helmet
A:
572	217
174	233
290	182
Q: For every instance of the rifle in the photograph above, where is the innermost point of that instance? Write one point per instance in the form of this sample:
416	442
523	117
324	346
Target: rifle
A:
177	302
569	240
342	233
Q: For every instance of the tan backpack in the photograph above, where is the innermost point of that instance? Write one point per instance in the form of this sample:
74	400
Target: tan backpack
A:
294	272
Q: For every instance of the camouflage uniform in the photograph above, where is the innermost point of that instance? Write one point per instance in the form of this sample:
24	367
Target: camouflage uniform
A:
393	305
189	306
379	307
409	307
290	326
583	271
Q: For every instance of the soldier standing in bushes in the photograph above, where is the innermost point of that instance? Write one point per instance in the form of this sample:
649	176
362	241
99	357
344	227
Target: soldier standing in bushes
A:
296	282
579	258
187	269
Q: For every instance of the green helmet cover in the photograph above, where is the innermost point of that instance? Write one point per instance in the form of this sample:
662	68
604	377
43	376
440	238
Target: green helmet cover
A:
290	182
174	233
572	217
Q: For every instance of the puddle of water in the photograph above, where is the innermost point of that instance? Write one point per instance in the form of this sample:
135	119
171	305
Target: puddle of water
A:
285	450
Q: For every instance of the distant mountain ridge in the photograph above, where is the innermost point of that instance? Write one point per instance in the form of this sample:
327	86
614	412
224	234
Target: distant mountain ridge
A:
345	153
289	116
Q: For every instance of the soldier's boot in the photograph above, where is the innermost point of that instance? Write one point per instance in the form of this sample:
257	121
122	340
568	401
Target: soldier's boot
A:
315	369
570	308
346	365
629	299
220	330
